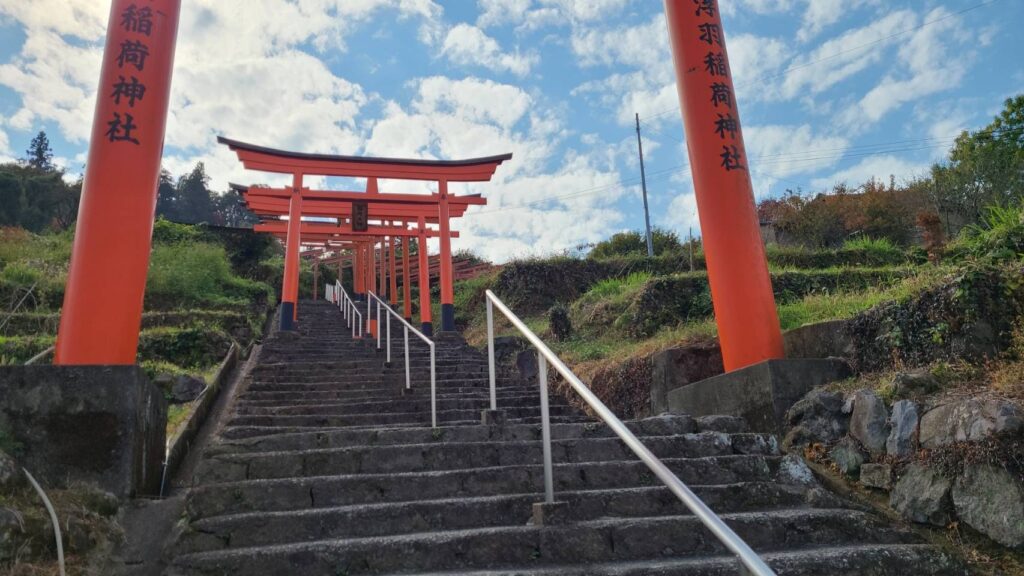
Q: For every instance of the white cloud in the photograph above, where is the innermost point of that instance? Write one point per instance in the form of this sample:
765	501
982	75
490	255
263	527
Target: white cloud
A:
933	61
468	45
227	51
877	167
681	216
840	58
532	209
498	12
777	151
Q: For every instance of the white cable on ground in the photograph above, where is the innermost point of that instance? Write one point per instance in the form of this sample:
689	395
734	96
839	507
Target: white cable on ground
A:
53	520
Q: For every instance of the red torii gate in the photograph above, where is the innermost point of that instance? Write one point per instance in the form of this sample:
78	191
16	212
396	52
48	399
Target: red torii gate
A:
268	201
333	235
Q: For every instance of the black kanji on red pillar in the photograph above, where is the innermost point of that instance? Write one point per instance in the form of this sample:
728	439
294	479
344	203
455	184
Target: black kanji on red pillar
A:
731	158
121	130
134	53
711	33
134	19
131	91
714	64
721	93
726	125
705	7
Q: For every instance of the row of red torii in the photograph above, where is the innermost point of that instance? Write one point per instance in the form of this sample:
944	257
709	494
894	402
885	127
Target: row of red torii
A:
331	222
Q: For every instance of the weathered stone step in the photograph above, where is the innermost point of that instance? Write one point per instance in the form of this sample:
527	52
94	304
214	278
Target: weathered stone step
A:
383	418
260	529
418	403
340	438
852	560
304	492
600	540
387	394
236	432
312	385
454	456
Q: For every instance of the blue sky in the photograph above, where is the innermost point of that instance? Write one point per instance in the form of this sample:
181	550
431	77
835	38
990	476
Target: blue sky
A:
829	90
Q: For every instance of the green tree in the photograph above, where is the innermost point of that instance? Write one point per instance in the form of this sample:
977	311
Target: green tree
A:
985	167
40	155
634	243
36	199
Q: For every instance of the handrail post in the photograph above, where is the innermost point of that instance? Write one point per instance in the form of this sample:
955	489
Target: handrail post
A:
490	355
377	298
545	427
433	388
369	315
389	339
408	379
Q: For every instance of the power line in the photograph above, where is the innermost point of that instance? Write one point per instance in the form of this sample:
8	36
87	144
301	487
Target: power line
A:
909	145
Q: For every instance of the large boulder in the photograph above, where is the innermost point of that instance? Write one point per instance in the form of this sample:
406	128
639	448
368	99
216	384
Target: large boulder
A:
506	348
923	496
186	389
914	384
869	422
903	421
991	501
847	457
970	420
816	418
876	476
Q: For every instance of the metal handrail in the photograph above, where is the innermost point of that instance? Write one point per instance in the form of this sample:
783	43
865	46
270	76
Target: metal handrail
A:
408	327
349	310
712	521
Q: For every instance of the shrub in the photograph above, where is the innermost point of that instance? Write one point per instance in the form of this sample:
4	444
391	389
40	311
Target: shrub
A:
561	325
189	273
167	232
1000	236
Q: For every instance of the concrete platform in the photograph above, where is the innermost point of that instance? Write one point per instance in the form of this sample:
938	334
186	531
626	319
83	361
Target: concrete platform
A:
104	425
760	393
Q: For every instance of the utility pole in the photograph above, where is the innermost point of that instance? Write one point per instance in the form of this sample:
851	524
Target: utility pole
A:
691	248
643	184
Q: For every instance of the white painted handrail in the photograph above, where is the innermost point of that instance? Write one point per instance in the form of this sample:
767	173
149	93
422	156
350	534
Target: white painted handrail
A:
382	305
349	309
712	521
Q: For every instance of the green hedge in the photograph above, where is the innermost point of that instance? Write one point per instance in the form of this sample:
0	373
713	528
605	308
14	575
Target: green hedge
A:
21	349
669	300
533	286
199	345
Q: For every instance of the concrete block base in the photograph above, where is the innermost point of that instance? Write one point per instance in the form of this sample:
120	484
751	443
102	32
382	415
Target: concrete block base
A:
103	425
550	513
493	417
761	393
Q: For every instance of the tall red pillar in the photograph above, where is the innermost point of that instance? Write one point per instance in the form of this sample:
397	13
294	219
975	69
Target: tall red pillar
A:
393	265
406	280
316	276
383	269
357	270
371	286
426	322
292	264
447	282
103	297
741	288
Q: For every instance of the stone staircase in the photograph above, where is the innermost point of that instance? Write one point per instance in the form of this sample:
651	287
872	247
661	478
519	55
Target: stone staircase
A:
327	467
